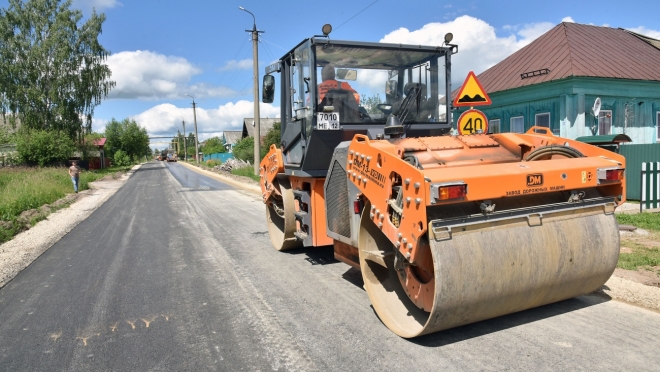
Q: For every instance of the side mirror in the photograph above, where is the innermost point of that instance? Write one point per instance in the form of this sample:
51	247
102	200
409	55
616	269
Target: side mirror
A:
391	92
268	89
346	74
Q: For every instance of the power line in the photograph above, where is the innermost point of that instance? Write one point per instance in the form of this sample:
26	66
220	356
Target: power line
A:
358	13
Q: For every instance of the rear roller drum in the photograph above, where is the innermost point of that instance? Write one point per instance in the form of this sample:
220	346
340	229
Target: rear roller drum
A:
280	217
482	273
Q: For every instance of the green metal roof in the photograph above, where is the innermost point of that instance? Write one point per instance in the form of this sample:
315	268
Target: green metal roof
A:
610	138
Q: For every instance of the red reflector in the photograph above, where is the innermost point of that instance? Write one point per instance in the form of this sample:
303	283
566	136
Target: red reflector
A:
356	206
453	192
614	174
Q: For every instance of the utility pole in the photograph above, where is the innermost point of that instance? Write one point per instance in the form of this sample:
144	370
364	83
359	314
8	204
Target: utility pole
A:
196	138
185	141
255	66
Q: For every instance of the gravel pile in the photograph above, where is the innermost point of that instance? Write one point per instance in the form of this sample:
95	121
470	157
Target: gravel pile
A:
232	164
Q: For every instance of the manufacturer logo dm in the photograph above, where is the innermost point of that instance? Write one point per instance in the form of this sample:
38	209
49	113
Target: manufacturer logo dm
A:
534	180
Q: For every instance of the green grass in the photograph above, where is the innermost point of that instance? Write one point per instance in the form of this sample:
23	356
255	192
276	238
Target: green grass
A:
24	188
640	256
647	221
246	172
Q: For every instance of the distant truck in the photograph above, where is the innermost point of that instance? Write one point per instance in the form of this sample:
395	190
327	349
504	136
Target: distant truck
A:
171	156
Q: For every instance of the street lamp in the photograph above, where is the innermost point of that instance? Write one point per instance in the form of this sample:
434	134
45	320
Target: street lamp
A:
185	141
255	66
196	138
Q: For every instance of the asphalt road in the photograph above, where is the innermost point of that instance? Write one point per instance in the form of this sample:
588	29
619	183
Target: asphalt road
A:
175	272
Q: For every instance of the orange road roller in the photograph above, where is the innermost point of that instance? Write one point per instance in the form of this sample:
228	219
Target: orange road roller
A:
446	229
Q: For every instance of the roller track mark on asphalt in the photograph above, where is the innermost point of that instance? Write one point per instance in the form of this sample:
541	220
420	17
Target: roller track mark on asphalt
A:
283	350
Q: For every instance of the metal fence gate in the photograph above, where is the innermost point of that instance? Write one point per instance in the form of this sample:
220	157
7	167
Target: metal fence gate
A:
649	190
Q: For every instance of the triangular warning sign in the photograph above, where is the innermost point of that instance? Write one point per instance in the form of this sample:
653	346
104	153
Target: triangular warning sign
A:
472	93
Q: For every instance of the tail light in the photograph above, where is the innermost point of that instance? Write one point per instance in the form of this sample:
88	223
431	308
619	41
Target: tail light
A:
453	192
611	174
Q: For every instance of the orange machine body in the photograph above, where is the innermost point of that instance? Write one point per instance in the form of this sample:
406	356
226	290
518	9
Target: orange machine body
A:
491	167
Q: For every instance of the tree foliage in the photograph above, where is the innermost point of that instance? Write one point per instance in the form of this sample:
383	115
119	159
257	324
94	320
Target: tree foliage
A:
273	137
6	136
371	103
44	147
128	136
122	159
244	149
213	145
52	71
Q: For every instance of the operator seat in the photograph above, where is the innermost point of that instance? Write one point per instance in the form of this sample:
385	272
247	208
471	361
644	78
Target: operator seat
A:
344	103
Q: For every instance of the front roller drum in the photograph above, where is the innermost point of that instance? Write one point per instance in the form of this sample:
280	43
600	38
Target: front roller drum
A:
488	272
280	216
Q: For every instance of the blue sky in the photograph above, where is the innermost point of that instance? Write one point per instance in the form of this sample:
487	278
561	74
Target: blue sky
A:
164	49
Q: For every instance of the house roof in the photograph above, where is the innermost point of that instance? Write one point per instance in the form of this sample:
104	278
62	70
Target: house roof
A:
232	136
264	126
100	141
571	49
654	42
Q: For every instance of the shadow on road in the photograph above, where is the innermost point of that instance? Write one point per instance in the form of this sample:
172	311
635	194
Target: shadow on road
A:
501	323
316	256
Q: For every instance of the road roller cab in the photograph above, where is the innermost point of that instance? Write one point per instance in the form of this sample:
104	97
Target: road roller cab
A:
446	229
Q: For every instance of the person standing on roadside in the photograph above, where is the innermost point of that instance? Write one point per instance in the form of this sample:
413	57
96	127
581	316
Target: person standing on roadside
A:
74	172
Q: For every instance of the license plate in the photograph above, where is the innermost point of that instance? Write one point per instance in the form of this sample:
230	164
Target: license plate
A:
327	121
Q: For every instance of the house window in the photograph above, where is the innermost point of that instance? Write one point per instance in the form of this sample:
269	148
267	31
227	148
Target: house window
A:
657	124
517	124
543	120
605	122
494	126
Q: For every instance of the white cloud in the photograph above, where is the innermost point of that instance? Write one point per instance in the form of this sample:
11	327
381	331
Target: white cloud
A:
478	45
568	19
99	5
147	75
244	64
646	31
98	125
165	119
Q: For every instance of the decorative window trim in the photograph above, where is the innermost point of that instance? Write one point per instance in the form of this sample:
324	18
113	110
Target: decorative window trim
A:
498	123
536	119
511	123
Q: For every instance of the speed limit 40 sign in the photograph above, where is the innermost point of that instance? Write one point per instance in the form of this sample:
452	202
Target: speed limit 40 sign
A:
472	121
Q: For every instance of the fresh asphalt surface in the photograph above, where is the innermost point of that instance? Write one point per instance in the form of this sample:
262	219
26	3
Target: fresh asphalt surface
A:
175	272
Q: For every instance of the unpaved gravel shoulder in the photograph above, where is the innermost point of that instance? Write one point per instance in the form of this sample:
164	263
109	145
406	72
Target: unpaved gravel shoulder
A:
20	252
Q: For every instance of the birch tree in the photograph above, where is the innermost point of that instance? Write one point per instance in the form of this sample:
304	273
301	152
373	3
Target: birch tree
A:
52	70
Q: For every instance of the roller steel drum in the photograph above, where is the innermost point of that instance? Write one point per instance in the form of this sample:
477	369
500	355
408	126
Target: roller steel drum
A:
494	269
280	217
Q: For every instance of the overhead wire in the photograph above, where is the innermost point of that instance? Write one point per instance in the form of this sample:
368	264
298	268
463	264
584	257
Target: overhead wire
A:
356	14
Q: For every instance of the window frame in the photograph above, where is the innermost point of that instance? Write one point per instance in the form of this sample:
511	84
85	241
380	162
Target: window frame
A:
657	125
611	122
536	119
499	125
522	117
